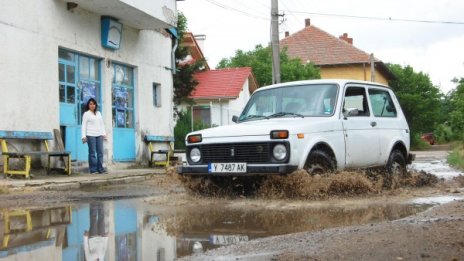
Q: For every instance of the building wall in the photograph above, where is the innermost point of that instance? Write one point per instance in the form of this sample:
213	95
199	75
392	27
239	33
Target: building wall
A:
236	106
33	31
355	72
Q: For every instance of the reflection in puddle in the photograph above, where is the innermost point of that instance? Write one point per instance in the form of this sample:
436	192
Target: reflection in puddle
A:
33	231
134	230
214	227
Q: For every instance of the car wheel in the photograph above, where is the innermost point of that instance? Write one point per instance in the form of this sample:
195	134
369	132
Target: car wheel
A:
396	168
396	165
319	162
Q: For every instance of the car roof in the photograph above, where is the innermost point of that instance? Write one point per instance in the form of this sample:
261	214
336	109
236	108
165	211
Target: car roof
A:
340	82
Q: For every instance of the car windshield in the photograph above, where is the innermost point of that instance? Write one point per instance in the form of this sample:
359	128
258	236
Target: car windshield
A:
312	100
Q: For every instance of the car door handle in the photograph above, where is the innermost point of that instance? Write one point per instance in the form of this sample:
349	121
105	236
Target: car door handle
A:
373	123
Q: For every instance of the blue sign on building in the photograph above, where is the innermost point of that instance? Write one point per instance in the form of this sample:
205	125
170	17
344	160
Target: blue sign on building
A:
111	33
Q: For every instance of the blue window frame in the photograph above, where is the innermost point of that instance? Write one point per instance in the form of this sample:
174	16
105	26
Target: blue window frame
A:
123	96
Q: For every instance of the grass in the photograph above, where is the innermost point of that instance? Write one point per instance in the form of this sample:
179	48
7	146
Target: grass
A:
456	157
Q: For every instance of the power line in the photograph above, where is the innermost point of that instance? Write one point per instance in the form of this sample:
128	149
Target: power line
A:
380	18
236	10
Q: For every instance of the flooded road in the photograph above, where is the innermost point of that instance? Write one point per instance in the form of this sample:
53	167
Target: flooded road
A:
159	221
137	229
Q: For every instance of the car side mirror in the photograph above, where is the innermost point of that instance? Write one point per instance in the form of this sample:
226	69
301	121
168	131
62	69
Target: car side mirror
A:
350	112
235	118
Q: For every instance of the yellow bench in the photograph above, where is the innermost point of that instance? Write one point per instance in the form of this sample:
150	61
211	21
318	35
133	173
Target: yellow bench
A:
27	155
153	141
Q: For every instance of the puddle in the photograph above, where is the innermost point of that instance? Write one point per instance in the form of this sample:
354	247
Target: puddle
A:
439	168
135	230
436	200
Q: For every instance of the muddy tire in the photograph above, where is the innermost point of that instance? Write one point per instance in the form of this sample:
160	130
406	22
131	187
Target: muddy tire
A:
395	169
319	162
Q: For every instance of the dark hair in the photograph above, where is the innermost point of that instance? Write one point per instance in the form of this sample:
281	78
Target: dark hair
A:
88	103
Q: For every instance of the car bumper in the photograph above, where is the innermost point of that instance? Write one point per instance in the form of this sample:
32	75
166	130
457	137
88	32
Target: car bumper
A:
252	169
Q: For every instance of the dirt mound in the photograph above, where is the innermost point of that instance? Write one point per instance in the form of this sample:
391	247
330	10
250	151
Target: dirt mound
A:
300	185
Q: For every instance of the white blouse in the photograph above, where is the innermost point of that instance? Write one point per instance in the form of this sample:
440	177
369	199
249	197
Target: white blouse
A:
92	124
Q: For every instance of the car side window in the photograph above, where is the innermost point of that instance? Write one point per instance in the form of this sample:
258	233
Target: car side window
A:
382	103
355	98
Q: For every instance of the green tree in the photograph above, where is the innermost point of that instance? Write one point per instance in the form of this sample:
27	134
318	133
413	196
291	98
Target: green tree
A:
455	112
419	98
184	82
260	60
184	126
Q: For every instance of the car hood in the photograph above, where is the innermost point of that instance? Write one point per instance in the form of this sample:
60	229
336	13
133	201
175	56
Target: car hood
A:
264	127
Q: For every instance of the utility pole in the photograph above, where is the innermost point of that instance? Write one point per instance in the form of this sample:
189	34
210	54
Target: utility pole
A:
372	61
275	42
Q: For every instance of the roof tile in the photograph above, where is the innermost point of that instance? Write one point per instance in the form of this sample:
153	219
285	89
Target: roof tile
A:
226	82
317	46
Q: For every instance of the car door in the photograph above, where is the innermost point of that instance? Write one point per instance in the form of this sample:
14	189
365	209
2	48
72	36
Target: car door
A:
389	127
360	129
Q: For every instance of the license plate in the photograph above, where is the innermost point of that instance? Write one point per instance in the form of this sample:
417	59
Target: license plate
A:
236	167
223	240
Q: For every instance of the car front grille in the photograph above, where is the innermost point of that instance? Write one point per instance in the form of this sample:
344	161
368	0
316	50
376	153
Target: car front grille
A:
237	152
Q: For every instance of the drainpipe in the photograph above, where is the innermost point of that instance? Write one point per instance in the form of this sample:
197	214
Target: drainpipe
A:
173	57
372	61
220	111
211	114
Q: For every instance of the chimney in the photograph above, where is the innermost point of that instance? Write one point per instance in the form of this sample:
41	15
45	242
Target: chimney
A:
345	38
287	34
307	22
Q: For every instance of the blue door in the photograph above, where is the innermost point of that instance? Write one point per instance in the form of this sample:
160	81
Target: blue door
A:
79	80
123	113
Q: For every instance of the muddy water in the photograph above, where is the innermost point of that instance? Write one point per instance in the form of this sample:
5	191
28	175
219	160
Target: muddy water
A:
137	229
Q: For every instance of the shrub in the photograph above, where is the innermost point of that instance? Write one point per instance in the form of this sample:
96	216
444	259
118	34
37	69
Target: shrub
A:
443	134
418	144
456	157
184	126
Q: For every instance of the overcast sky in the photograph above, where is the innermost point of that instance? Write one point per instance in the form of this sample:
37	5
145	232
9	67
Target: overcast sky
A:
389	29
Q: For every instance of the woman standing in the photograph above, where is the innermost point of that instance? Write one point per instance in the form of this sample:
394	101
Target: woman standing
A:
93	132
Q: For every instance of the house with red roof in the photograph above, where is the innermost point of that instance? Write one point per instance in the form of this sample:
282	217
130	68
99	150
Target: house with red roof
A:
336	57
222	93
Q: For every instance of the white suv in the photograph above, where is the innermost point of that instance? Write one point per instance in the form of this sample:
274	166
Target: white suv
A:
315	125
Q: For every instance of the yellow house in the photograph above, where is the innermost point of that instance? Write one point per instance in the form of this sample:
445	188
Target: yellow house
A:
336	57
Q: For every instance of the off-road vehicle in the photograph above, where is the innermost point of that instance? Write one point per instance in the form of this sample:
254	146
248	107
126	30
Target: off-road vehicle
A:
316	125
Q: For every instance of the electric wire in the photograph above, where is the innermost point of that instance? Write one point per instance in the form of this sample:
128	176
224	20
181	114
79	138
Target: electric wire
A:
379	18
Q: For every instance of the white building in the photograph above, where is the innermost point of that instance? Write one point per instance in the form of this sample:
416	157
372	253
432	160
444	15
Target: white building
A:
55	55
221	94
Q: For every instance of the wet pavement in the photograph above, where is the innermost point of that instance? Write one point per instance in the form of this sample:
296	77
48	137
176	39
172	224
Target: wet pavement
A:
80	180
434	161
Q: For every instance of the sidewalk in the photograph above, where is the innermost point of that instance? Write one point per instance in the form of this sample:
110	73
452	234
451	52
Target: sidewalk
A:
79	180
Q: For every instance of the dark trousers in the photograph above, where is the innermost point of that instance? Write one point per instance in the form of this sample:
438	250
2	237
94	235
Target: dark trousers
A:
95	153
97	220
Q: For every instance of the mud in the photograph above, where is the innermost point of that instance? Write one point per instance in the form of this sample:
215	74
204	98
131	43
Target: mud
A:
300	185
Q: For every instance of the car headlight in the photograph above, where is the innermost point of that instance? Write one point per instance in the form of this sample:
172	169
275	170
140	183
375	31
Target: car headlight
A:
279	152
195	155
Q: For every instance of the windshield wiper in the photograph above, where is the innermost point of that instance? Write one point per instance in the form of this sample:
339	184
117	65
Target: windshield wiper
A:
253	116
282	114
